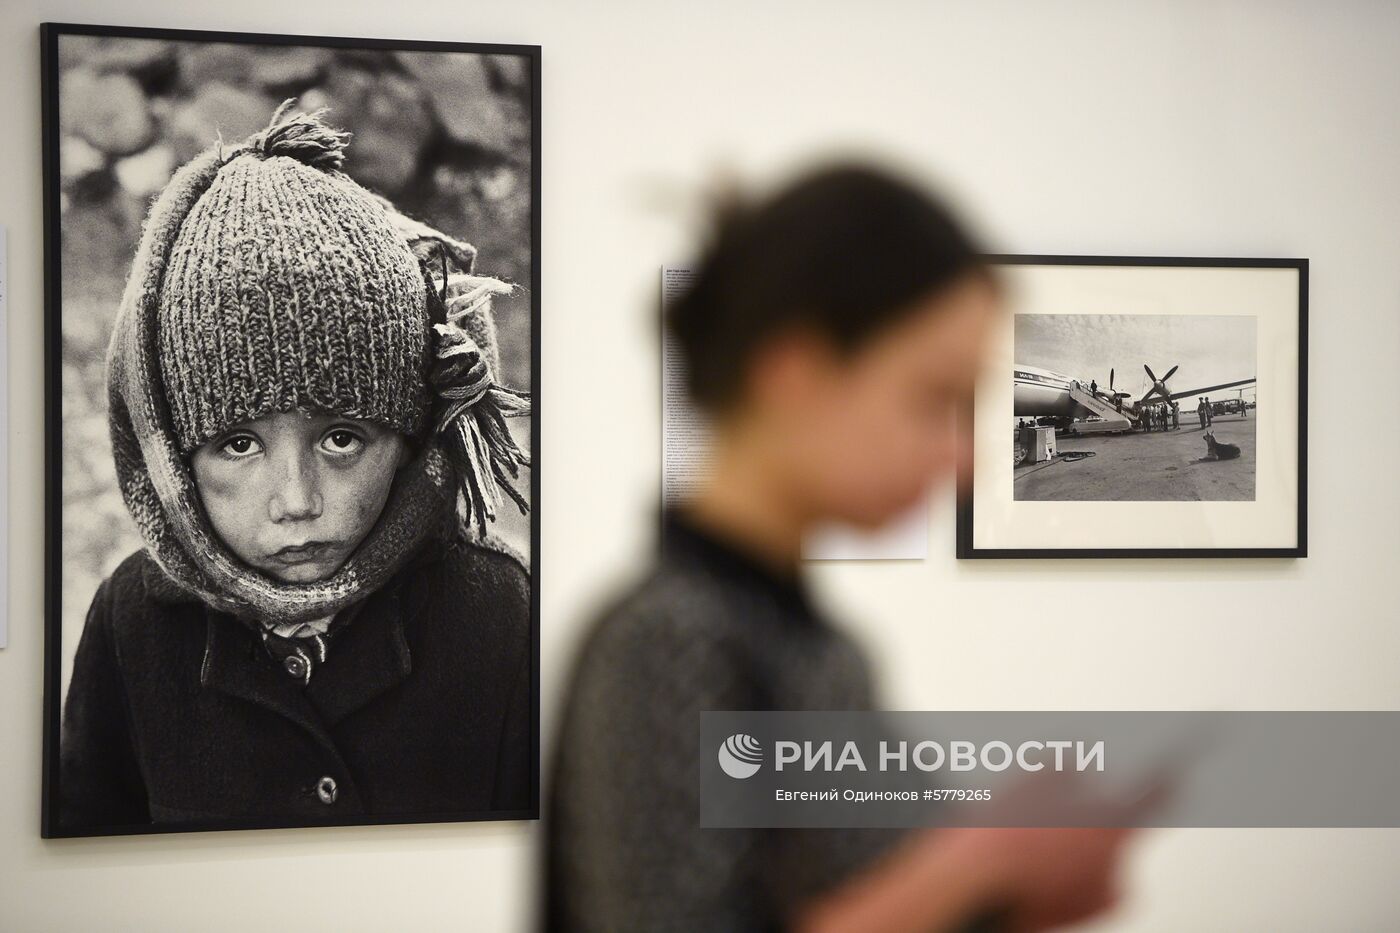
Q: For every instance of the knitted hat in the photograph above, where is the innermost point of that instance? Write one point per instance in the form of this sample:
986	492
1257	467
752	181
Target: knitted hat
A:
267	280
288	286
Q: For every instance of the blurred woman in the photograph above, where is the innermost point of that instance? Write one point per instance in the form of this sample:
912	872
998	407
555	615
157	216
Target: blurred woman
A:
832	333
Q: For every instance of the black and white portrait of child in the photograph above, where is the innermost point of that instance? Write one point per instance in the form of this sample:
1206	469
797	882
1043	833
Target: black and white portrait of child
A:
312	429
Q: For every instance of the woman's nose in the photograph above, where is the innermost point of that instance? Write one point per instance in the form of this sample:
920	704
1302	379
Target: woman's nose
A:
297	496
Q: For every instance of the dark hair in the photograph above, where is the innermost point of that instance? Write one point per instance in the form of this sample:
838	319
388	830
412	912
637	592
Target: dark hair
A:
846	251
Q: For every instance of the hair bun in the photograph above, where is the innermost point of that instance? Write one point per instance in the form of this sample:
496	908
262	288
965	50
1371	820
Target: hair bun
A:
302	137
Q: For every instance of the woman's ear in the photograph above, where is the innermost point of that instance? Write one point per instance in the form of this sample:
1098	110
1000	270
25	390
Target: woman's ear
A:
793	367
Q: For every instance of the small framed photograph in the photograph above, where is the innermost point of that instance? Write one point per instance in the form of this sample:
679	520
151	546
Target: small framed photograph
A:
1142	407
292	351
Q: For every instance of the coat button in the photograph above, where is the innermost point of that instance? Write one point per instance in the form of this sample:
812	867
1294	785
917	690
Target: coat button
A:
296	666
326	790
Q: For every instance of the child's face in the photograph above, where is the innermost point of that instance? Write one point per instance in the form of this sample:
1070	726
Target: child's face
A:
293	494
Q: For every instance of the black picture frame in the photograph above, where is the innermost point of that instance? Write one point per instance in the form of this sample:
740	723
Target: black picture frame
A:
966	549
50	35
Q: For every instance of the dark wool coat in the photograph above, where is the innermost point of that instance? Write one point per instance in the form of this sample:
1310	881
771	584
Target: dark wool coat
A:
423	706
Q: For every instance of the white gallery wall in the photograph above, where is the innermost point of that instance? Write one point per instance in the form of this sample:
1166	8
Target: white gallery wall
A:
1191	128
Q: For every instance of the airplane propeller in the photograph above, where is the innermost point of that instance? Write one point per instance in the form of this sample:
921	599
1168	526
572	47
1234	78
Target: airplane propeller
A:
1112	392
1159	386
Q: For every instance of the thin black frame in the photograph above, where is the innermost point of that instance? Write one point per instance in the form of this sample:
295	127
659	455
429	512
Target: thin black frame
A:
966	550
49	34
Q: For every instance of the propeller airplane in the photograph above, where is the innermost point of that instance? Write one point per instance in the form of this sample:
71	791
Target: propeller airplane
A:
1045	393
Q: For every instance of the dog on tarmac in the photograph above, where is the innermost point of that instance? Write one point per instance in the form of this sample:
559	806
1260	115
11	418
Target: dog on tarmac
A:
1219	450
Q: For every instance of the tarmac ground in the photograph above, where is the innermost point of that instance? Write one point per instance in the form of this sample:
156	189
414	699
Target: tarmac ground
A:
1145	467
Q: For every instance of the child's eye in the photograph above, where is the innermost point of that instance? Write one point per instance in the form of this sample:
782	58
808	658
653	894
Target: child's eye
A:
241	445
342	441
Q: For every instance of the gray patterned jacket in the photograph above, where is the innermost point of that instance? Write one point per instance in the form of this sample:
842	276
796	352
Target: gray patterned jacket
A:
707	628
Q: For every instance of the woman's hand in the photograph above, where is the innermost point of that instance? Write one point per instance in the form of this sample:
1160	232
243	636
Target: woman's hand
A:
1042	878
994	879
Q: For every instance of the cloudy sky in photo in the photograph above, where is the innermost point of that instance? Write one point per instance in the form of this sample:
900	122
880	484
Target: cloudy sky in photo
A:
1209	349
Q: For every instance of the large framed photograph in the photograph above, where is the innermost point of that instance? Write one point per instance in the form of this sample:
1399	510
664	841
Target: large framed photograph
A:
292	351
1142	407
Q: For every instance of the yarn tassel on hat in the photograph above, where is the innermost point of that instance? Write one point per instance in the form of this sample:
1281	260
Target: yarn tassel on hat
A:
303	137
471	426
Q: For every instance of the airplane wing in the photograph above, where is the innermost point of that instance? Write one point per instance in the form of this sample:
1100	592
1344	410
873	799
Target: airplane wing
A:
1223	385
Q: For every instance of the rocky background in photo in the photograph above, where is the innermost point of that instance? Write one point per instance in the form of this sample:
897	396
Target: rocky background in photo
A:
445	136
